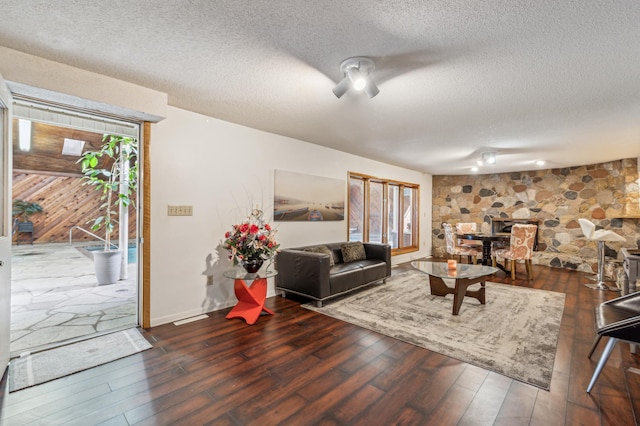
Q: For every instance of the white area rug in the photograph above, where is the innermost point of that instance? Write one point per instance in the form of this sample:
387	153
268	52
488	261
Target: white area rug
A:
48	365
515	333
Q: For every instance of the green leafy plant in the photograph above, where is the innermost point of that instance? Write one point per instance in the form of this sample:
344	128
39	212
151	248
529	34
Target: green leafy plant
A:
104	170
24	209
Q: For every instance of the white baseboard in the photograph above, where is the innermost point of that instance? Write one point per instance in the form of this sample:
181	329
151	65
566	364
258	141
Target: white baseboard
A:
195	312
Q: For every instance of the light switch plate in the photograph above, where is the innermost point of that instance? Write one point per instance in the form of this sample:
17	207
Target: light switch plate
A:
180	210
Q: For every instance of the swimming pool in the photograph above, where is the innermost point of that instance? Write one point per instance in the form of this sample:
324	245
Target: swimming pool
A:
131	251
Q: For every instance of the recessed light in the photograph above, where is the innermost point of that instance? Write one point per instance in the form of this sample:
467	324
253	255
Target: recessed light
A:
474	169
72	147
540	163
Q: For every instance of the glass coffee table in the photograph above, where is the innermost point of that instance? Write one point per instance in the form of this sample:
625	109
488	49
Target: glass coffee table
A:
463	275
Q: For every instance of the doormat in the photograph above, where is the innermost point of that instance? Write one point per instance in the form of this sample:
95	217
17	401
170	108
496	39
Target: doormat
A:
54	363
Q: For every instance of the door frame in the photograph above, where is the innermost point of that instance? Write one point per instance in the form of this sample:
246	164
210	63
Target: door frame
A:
6	101
143	211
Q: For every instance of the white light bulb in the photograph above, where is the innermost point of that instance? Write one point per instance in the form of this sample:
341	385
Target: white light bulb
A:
357	79
359	84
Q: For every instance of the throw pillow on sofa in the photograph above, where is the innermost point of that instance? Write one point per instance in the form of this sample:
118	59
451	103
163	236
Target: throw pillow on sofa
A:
322	249
352	252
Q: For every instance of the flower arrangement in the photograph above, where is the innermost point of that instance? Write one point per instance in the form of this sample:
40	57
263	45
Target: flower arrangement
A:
252	239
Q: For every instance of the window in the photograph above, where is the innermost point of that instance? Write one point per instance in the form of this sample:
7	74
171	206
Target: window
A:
383	211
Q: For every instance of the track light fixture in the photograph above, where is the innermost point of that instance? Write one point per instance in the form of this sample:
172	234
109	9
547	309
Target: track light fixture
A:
357	74
488	157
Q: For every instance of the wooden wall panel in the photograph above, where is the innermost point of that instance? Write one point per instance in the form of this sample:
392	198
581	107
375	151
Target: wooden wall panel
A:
46	148
66	202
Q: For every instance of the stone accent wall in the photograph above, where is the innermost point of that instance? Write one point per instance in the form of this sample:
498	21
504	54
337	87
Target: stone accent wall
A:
603	193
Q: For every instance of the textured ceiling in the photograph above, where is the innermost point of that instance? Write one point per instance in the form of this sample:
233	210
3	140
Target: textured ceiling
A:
545	79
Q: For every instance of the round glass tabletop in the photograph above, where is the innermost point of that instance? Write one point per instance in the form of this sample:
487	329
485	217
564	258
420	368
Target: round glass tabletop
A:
239	273
462	270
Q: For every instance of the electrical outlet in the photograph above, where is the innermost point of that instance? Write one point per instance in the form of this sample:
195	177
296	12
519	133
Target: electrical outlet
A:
180	210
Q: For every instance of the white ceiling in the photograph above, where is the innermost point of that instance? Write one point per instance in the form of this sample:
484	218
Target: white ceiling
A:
557	80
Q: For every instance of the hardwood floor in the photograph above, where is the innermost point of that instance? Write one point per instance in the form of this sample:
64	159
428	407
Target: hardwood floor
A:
302	368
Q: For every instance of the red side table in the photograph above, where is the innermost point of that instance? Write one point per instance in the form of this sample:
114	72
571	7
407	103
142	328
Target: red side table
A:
251	297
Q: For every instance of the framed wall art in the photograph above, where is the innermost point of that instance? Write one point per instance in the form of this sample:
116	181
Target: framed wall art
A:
302	197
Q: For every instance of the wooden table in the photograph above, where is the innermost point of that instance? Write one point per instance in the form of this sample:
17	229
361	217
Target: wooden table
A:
464	276
486	239
251	297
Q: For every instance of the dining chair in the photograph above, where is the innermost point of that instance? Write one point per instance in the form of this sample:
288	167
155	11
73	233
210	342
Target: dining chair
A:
468	228
520	248
600	235
454	249
618	319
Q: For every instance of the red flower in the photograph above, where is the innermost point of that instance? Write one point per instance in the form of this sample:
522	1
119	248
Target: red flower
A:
251	239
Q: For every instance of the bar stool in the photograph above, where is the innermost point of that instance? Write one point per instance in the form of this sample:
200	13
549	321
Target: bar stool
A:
601	235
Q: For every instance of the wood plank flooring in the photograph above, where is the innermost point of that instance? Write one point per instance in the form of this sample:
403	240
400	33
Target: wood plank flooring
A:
299	367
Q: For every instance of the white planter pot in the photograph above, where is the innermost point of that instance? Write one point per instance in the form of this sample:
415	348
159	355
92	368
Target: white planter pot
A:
107	266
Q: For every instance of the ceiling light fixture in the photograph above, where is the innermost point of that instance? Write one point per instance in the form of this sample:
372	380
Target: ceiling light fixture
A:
357	74
540	162
489	157
72	147
24	134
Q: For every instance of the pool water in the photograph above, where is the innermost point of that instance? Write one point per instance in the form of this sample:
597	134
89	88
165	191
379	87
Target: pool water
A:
131	251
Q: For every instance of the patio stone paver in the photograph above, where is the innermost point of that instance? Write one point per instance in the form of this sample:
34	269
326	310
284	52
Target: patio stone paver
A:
55	297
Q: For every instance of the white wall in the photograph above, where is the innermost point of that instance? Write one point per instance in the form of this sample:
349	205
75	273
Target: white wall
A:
224	170
45	74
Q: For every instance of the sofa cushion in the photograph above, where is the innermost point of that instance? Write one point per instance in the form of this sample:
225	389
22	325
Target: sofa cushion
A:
323	250
352	252
373	270
345	278
341	268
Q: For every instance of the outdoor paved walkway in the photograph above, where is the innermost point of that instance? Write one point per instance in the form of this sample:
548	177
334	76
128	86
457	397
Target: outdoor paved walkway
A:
55	297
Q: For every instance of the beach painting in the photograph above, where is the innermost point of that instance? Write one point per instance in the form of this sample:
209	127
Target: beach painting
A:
300	197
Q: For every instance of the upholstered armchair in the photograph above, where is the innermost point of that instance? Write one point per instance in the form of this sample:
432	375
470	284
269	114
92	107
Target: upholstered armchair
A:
454	249
468	228
520	248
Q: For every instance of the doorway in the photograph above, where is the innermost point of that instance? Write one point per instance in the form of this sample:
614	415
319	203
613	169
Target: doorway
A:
55	295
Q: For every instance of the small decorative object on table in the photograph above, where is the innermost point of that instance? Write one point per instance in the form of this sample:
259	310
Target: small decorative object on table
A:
251	243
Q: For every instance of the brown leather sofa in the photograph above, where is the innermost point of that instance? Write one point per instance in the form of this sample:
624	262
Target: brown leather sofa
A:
323	271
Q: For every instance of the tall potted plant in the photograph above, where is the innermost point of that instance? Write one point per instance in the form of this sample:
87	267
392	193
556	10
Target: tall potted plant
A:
113	171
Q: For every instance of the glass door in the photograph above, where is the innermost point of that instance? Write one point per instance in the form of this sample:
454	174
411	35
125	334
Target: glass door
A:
5	233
